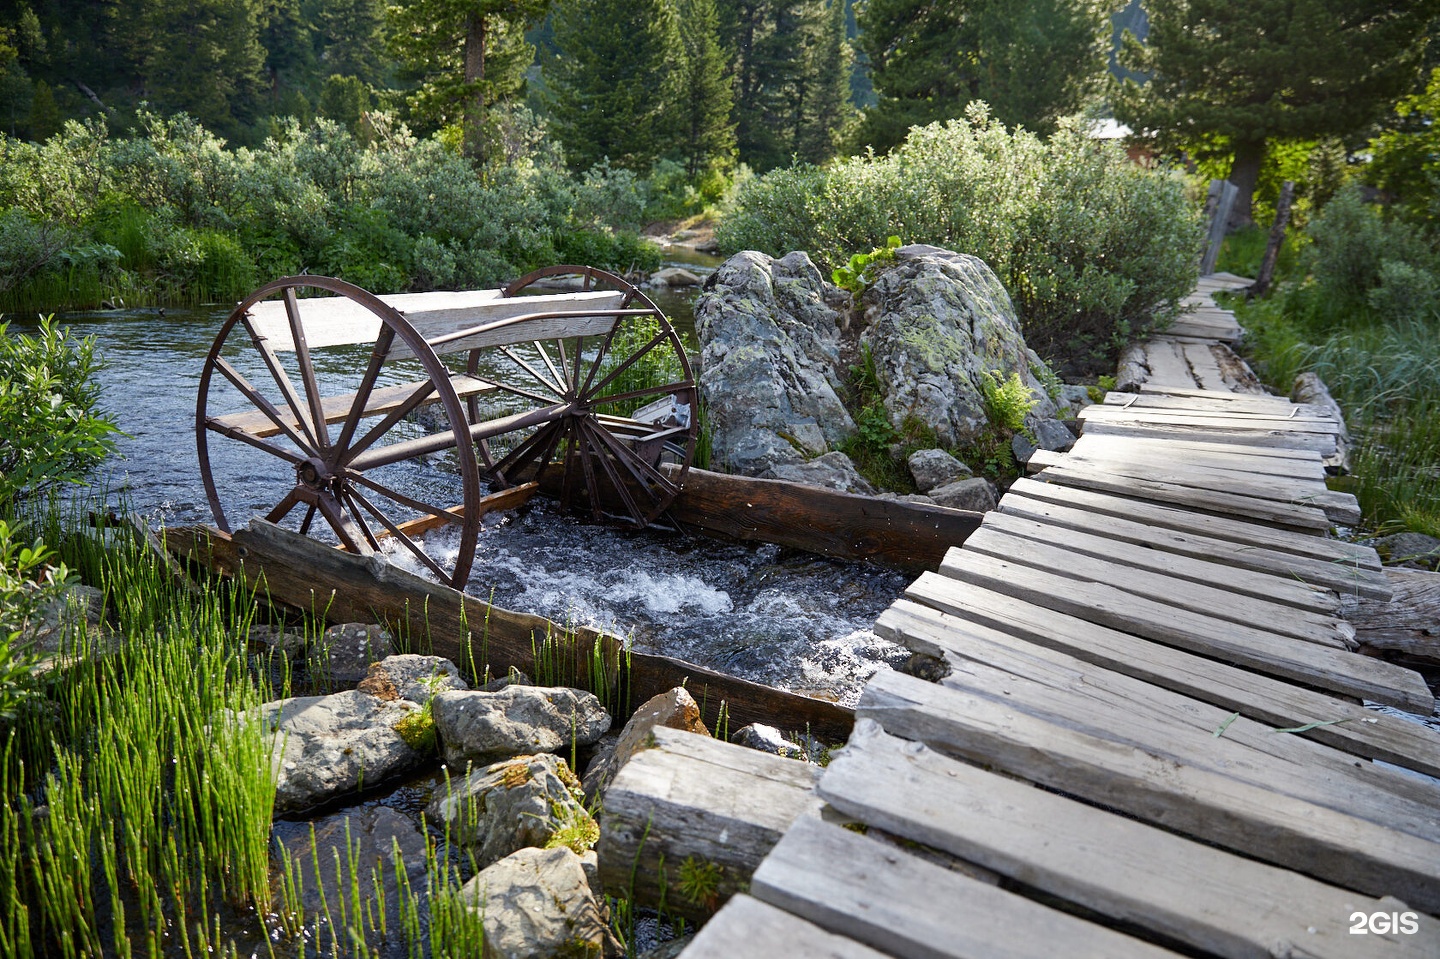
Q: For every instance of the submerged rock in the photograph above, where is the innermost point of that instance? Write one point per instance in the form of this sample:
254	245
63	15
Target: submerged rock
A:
770	356
932	468
326	746
831	471
483	726
939	323
675	708
536	904
509	805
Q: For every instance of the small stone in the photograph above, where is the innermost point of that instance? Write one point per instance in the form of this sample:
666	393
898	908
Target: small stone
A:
832	471
767	739
673	276
668	950
482	727
412	677
932	468
536	904
264	639
1053	435
509	805
1412	550
344	653
976	495
1022	448
675	709
1074	396
512	677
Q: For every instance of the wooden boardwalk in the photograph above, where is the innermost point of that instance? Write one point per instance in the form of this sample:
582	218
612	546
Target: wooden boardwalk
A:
1140	730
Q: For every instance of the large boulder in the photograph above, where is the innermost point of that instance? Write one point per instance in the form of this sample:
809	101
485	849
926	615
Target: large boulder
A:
326	746
832	471
512	804
938	323
674	708
484	726
770	361
536	904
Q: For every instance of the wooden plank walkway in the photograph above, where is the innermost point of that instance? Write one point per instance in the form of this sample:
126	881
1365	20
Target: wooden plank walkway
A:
1139	729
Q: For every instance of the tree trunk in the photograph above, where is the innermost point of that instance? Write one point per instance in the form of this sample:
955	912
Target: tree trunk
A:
1245	173
475	73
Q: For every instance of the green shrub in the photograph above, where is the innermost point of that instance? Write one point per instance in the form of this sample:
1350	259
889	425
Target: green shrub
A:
1356	254
52	431
1092	248
27	584
618	252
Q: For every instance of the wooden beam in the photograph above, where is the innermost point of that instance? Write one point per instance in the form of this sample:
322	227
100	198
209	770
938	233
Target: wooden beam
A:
513	497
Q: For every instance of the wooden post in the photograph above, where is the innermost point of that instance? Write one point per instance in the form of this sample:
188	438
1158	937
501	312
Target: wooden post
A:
1219	203
1277	239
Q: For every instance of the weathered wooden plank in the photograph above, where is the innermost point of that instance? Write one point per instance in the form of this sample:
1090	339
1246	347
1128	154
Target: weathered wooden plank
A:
696	799
1027	546
1290	832
1063	688
382	402
1166	364
1338	507
1322	443
1282	588
1348	674
1409	623
1206	419
339	321
1275	407
1246	534
299	572
909	536
1137	875
1203	366
1104	449
1289	515
1340	723
750	928
884	897
1280	402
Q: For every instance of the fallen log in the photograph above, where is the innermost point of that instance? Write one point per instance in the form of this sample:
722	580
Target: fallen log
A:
303	574
1409	623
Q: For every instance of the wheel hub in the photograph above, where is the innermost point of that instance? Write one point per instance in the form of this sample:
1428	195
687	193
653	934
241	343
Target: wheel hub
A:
314	475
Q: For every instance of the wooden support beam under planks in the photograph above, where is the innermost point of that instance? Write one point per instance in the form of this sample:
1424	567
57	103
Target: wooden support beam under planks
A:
1105	449
1132	873
1287	515
1063	688
750	928
996	540
885	897
1348	674
1322	443
1082	469
1280	588
1246	534
1323	843
1340	723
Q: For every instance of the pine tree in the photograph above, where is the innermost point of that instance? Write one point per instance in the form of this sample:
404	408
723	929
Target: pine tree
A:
351	34
615	82
829	108
205	58
1032	61
467	54
707	132
1270	69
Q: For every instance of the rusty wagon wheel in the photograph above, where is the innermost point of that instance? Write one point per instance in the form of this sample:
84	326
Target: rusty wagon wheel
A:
628	402
314	432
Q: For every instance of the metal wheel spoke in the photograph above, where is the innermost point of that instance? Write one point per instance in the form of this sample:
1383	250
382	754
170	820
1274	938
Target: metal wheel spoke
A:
251	439
517	391
588	470
642	470
282	508
383	427
349	498
278	374
616	480
524	452
549	453
262	404
636	394
307	370
309	517
559	376
367	386
410	501
400	535
567	473
598	362
341	523
552	386
629	362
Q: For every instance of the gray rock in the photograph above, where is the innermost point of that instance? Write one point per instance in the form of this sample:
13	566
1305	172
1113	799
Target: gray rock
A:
831	471
1074	397
71	623
337	744
510	805
1053	435
370	833
1021	446
932	468
512	677
536	904
673	276
675	708
1412	550
770	359
668	950
767	739
265	639
416	678
975	494
344	653
481	727
941	321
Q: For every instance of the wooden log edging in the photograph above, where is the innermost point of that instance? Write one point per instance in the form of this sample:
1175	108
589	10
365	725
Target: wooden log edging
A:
300	573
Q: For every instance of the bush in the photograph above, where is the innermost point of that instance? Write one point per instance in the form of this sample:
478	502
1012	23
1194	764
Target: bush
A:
1093	249
1358	258
53	434
617	252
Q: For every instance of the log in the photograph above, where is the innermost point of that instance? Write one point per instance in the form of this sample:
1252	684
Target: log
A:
300	573
1275	241
687	823
1408	624
1133	370
1310	388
